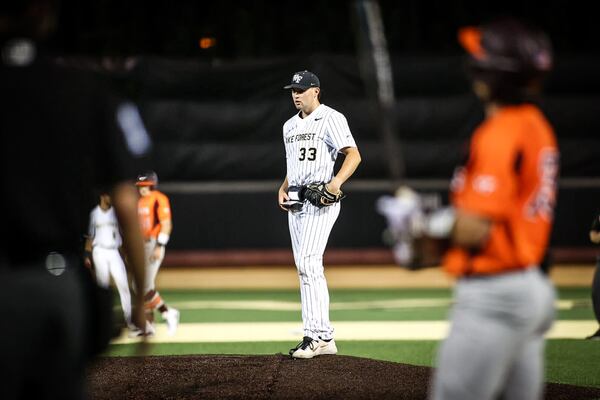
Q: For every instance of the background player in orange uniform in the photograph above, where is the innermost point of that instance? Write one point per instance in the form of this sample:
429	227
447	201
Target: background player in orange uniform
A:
154	211
498	227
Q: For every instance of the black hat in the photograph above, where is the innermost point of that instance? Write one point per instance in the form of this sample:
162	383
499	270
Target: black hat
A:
303	80
148	178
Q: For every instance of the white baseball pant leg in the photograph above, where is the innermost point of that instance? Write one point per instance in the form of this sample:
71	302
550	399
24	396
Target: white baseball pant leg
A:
152	266
309	231
108	262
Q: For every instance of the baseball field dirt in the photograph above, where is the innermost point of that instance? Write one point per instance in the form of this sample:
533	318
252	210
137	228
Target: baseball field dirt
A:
270	377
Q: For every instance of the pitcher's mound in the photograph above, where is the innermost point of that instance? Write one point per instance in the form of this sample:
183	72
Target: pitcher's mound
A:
269	377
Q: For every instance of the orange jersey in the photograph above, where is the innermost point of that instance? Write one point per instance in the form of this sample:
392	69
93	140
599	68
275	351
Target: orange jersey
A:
510	178
151	210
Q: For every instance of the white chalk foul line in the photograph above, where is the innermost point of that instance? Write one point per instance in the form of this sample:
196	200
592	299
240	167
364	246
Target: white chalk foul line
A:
345	330
270	305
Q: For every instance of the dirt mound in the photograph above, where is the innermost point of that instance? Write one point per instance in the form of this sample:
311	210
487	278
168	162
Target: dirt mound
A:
269	377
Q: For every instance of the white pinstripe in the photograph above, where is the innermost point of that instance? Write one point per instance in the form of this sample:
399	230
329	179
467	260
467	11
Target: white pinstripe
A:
309	231
312	145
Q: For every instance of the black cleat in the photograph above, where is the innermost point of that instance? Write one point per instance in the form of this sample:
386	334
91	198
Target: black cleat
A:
595	336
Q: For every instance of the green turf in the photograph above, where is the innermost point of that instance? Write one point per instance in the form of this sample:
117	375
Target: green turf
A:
417	314
293	294
408	352
581	311
576	362
568	361
405	314
574	293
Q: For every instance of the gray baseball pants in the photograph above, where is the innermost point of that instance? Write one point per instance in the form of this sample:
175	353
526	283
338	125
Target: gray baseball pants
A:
496	342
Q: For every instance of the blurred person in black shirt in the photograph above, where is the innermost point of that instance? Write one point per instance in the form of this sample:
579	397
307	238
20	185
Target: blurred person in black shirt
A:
595	238
62	135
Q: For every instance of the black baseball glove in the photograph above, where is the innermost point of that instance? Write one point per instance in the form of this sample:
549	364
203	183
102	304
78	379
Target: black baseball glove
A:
318	195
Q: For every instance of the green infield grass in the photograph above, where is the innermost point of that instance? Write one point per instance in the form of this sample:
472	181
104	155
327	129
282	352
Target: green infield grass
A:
571	361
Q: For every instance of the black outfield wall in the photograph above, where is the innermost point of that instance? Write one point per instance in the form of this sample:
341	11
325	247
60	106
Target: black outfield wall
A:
219	221
221	123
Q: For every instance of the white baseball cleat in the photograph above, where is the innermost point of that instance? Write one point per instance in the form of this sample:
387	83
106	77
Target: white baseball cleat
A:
595	336
309	348
172	318
134	331
150	331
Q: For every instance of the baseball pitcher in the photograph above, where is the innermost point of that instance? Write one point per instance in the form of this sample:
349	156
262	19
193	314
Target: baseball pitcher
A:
311	194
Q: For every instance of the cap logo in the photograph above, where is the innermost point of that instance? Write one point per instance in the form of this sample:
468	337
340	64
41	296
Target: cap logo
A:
297	78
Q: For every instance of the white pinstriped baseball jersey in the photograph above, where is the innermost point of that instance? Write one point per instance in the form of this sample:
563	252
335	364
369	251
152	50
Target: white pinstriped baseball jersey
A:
313	143
104	228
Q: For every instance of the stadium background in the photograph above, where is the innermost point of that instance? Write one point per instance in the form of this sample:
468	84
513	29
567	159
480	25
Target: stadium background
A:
207	77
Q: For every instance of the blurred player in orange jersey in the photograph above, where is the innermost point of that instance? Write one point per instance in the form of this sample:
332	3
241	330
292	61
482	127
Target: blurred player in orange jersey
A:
498	226
154	211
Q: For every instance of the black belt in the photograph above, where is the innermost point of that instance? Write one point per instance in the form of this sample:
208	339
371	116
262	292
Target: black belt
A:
503	272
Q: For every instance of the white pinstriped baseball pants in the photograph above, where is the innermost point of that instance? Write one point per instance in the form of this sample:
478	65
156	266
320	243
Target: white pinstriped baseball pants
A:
309	231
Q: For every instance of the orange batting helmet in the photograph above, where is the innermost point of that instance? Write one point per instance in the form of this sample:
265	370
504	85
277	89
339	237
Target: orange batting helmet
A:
508	55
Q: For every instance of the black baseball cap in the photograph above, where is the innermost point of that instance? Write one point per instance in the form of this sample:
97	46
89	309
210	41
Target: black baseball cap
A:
303	80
